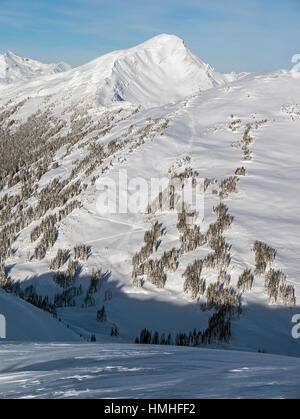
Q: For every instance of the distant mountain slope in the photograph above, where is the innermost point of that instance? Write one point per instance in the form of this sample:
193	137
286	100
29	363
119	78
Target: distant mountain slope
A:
25	322
14	69
157	72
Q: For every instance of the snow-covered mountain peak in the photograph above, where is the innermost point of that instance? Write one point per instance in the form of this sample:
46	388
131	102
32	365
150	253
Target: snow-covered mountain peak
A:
15	69
10	54
163	40
164	63
159	71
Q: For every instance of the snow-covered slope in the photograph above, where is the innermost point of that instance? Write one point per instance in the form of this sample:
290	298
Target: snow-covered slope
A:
230	77
143	372
159	71
24	322
250	125
14	69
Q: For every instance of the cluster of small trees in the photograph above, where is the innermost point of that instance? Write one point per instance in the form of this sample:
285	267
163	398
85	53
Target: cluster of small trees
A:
219	297
224	278
26	165
155	273
21	145
3	279
94	287
67	279
220	258
219	327
67	209
189	339
33	298
56	195
108	295
67	297
228	186
96	280
214	238
275	286
291	110
137	282
46	225
101	315
188	173
28	150
81	252
275	281
235	124
287	295
30	295
264	256
193	281
224	221
167	198
218	331
94	159
59	260
245	281
7	237
208	182
260	123
114	331
148	338
150	131
47	241
191	238
139	260
170	260
185	219
246	141
240	171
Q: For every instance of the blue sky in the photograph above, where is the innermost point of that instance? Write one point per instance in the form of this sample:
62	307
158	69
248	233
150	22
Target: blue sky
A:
231	35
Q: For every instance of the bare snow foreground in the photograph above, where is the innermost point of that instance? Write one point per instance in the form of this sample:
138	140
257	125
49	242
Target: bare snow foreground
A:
133	371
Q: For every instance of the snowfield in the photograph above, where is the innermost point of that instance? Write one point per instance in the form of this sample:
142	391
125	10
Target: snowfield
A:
115	371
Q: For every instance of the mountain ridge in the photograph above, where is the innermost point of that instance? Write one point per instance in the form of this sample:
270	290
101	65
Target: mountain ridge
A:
15	69
156	72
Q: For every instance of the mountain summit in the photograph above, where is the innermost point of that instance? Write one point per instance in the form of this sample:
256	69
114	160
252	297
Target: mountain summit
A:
14	69
159	71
